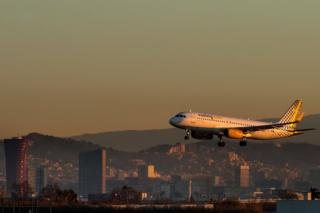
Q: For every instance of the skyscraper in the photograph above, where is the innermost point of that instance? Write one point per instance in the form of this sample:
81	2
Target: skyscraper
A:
147	171
243	176
16	165
190	190
151	171
2	186
92	172
41	178
32	180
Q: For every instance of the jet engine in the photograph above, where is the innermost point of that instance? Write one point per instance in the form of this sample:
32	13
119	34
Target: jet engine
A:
202	135
236	134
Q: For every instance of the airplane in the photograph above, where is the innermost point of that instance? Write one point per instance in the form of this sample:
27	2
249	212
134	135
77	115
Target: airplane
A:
204	126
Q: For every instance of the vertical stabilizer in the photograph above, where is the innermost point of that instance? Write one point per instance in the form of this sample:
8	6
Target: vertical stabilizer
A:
293	114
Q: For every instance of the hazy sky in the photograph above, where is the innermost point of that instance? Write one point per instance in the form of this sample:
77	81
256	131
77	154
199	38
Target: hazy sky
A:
69	67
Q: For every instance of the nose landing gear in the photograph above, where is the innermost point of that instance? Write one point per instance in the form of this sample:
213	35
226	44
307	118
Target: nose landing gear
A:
187	136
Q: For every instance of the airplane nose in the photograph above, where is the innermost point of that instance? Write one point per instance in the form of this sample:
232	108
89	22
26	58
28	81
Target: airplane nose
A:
171	121
174	121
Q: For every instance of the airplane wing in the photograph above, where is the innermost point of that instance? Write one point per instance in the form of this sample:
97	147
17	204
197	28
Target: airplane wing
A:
263	127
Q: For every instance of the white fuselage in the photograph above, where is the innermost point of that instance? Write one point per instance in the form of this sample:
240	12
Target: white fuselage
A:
216	124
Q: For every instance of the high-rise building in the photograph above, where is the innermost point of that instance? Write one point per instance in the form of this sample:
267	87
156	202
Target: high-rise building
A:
92	172
16	165
190	190
2	186
147	171
243	176
41	178
151	171
32	179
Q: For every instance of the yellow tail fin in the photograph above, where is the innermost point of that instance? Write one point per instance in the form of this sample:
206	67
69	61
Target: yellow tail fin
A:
293	114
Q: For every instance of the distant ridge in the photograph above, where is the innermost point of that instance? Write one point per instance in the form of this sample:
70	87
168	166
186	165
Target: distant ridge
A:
55	148
135	140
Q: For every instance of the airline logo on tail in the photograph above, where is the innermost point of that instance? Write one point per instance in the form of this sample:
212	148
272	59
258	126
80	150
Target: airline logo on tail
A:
293	115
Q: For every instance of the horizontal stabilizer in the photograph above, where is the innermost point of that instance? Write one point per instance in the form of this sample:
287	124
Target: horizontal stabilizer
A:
310	129
303	130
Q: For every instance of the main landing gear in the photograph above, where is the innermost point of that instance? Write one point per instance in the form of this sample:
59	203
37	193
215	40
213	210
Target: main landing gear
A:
243	142
221	143
187	137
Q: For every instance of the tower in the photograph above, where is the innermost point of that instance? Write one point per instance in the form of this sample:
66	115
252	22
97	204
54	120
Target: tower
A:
41	178
16	165
244	176
92	172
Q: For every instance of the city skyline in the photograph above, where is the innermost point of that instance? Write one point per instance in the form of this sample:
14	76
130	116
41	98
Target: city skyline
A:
110	66
179	172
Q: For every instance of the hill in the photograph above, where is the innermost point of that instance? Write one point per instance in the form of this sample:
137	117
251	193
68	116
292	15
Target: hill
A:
139	140
55	148
266	159
302	156
135	140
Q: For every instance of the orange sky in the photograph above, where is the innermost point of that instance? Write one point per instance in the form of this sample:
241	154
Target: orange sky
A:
70	67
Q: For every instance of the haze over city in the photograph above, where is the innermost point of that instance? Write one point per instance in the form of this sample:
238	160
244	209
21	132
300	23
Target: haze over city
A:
72	67
151	106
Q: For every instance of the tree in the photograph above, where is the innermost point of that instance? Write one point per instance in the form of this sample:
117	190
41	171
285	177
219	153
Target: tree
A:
21	190
54	195
125	195
288	195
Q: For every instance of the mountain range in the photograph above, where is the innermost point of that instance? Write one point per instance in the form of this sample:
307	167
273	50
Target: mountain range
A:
271	159
203	157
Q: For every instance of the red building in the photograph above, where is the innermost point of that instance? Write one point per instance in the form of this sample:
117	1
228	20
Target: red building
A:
16	165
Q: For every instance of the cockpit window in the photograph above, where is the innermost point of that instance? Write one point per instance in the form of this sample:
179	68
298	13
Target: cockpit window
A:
180	116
